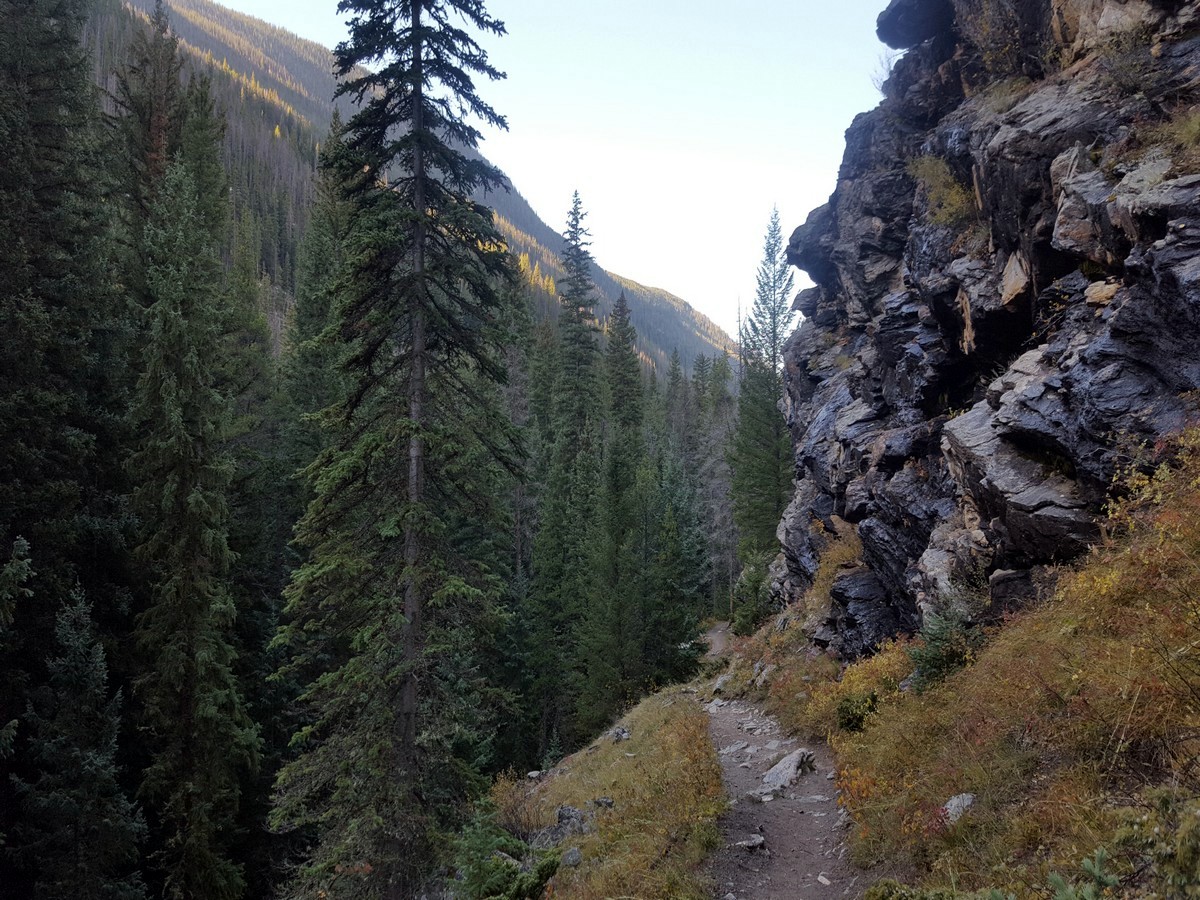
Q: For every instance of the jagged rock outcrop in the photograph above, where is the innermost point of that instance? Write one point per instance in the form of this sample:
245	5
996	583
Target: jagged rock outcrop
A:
1007	299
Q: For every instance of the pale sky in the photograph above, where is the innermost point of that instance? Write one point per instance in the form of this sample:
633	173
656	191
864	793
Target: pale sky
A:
679	123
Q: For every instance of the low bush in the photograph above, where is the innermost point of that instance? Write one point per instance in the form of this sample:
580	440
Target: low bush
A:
852	711
494	865
947	643
948	203
994	28
751	596
1127	62
863	687
1165	833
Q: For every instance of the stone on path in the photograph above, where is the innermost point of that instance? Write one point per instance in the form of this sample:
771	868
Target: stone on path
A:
752	843
788	769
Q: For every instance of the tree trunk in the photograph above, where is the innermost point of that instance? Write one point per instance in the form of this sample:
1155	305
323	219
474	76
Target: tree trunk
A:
413	589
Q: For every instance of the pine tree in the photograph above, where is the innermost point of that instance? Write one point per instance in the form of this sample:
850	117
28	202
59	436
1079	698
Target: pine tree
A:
388	606
714	477
80	832
151	106
770	321
260	522
311	365
760	454
200	734
625	421
579	360
13	576
610	648
562	573
61	402
701	396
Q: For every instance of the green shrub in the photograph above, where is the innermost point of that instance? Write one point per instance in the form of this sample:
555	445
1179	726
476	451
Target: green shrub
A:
889	889
1167	834
852	711
947	643
751	596
948	202
1098	884
486	857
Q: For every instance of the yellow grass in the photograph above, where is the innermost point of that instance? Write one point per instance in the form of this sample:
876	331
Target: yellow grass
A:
665	783
1070	712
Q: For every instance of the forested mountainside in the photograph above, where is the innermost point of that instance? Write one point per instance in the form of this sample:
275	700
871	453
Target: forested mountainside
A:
278	89
320	503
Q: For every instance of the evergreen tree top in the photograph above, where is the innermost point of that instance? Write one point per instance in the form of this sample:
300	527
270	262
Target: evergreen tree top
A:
575	290
620	325
763	334
398	52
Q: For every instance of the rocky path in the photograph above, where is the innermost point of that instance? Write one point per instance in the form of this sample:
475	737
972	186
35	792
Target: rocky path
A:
718	640
784	835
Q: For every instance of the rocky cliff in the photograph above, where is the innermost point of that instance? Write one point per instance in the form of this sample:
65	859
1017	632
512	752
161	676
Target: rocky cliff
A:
1007	302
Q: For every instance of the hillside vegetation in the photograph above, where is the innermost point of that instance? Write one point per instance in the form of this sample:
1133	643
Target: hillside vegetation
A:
664	784
1074	723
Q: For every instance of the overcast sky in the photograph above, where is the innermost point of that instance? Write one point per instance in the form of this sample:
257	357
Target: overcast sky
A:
680	123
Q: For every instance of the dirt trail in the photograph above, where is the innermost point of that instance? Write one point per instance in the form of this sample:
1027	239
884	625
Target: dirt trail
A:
803	857
803	850
718	640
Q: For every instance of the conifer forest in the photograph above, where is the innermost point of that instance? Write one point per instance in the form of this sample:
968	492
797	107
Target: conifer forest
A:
333	485
362	537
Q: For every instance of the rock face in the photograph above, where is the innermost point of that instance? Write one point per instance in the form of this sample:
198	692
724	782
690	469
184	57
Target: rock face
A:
1006	300
906	23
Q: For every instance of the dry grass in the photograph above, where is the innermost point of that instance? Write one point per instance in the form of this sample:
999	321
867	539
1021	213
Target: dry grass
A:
1072	711
1177	138
665	783
1180	136
947	202
806	685
1069	717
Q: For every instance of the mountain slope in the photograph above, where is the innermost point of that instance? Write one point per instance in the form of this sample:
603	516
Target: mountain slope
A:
277	87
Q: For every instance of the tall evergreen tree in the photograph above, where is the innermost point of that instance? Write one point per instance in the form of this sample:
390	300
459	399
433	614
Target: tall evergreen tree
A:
387	594
311	373
13	575
80	833
562	571
200	734
61	402
760	454
625	420
609	634
717	424
577	385
148	126
770	322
